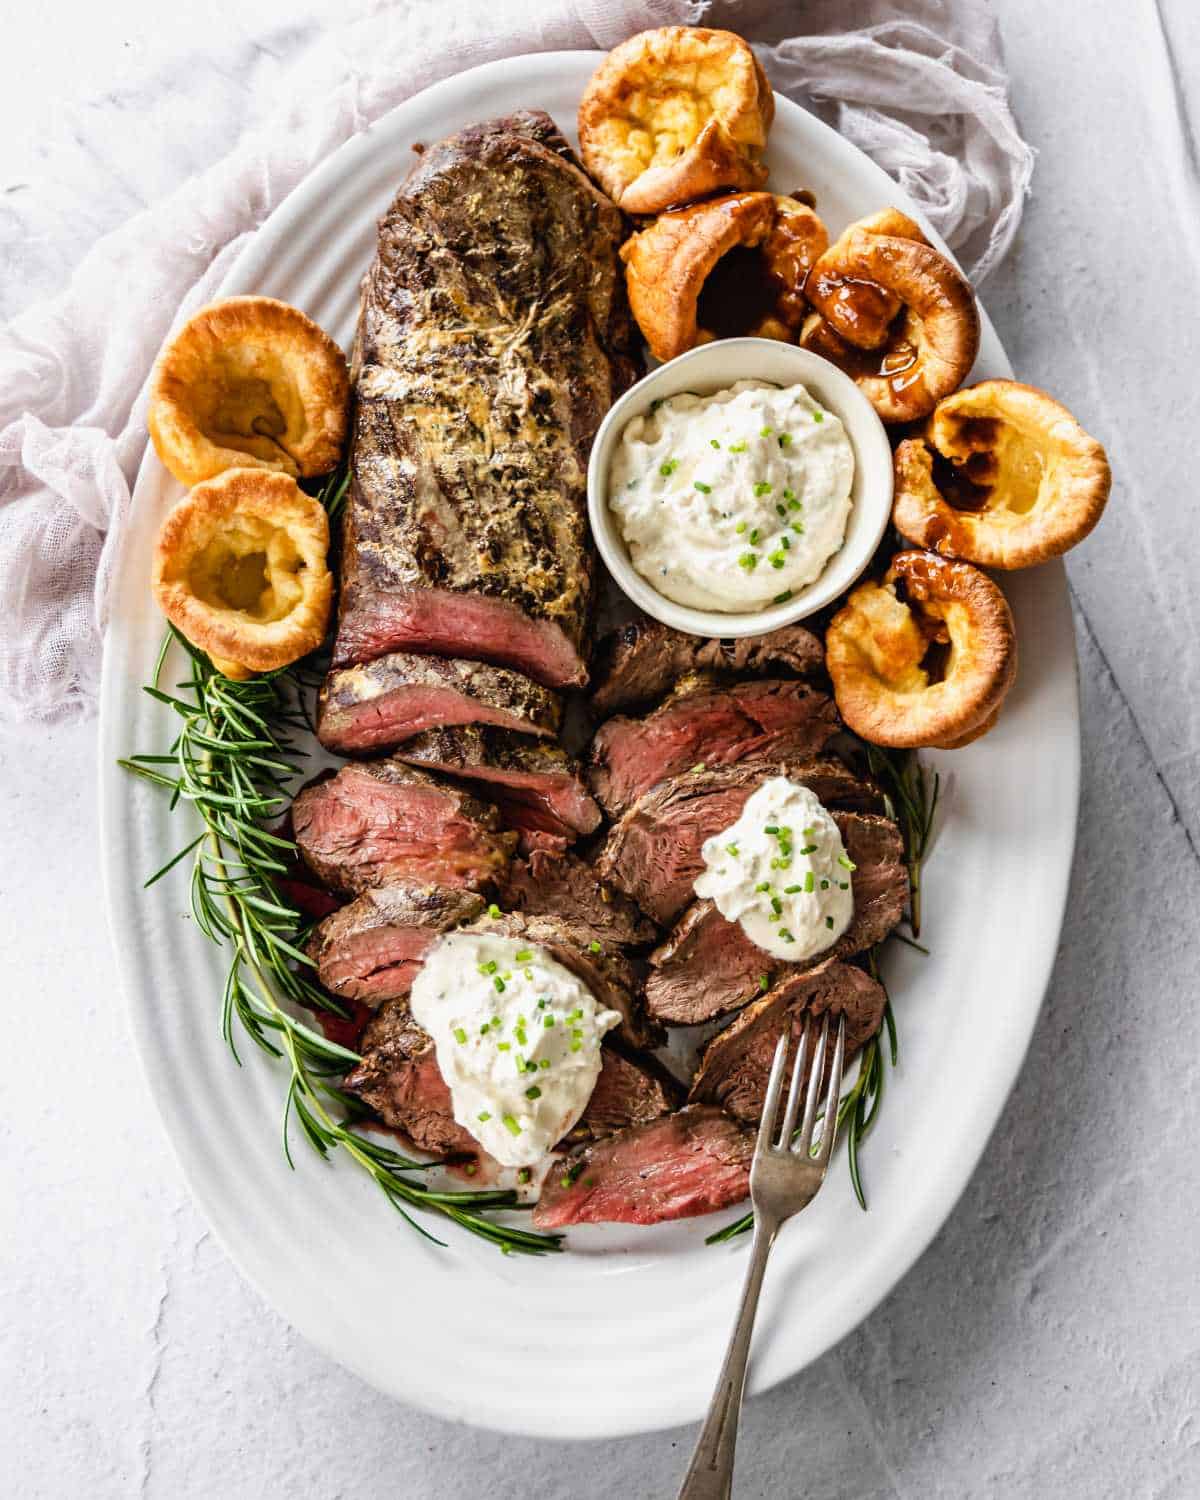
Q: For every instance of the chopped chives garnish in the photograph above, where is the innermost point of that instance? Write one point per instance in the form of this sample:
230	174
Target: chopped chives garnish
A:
754	537
763	886
489	968
776	904
749	561
484	1116
783	598
781	510
494	911
763	487
524	1176
533	1092
737	447
785	543
460	1036
824	885
697	768
843	885
819	416
511	1125
775	917
810	831
731	848
790	890
544	1064
829	923
847	863
786	935
527	973
775	863
485	1028
520	1062
789	494
740	528
762	981
499	983
523	955
593	946
548	1021
667	469
576	1015
522	1037
764	432
503	1046
809	882
712	443
798	527
785	439
809	849
777	559
771	828
576	1045
496	1023
705	489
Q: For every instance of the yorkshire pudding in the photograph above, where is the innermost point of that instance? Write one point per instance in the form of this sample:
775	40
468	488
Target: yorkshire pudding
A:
734	265
249	382
239	568
672	115
924	658
894	314
1004	476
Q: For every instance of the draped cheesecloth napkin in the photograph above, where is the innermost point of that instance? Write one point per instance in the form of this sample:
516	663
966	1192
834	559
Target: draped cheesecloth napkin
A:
919	86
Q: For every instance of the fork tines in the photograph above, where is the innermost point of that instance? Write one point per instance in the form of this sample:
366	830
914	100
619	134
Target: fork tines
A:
821	1064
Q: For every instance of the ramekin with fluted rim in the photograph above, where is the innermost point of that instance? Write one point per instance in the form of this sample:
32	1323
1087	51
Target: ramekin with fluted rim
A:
714	367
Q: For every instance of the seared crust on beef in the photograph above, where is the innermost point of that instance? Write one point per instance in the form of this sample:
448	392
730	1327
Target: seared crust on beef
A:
372	949
705	722
373	707
535	785
653	853
493	335
708	967
555	883
676	1167
639	662
382	821
736	1064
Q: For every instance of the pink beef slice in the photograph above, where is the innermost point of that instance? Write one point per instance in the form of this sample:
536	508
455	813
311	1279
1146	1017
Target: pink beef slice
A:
708	967
705	723
493	335
369	708
557	883
676	1167
653	853
641	661
381	822
736	1064
372	949
535	784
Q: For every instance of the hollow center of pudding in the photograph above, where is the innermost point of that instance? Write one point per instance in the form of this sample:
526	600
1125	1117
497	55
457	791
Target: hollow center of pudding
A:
738	293
250	404
252	573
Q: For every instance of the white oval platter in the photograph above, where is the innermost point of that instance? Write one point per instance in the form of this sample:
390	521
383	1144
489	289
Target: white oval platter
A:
624	1333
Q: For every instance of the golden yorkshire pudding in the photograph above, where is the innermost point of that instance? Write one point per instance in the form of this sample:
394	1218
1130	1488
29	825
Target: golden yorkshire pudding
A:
734	265
675	114
924	658
1004	477
239	568
249	382
894	314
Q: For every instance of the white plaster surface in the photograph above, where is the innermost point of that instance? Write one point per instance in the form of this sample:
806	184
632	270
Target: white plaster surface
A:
1048	1344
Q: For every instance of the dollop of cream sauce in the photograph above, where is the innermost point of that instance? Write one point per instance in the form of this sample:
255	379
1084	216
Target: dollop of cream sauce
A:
517	1037
734	501
782	872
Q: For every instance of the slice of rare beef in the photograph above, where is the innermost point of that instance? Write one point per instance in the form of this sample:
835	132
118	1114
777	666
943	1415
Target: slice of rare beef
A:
382	821
400	1080
641	661
653	853
387	701
708	967
736	1064
555	883
493	335
676	1167
373	948
535	785
612	976
705	723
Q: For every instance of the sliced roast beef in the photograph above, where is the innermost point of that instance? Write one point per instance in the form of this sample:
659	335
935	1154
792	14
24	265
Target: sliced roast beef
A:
400	1080
373	949
736	1064
653	853
676	1167
493	335
703	722
612	977
708	967
369	708
383	821
555	883
535	785
639	662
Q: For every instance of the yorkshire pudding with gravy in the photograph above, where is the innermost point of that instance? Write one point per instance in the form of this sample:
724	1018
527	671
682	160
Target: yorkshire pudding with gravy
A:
734	265
249	382
672	115
240	570
925	657
894	314
1004	476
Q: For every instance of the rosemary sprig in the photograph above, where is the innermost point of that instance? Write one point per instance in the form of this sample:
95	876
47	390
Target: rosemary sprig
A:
233	759
911	800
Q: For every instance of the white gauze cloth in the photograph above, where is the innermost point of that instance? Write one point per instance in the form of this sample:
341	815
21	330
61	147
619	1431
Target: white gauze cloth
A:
919	86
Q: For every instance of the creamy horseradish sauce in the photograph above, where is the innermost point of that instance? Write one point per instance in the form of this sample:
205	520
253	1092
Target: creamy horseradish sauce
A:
781	871
733	501
518	1041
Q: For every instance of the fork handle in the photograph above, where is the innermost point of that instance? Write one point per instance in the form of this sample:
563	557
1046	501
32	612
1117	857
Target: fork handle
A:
710	1473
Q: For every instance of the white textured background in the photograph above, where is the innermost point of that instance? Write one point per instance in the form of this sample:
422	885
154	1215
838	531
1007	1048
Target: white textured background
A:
1048	1344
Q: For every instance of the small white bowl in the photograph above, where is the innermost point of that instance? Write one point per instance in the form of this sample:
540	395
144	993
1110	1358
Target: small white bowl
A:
713	367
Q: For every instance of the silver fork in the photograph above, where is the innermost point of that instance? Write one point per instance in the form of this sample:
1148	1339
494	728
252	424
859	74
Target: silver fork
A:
784	1178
